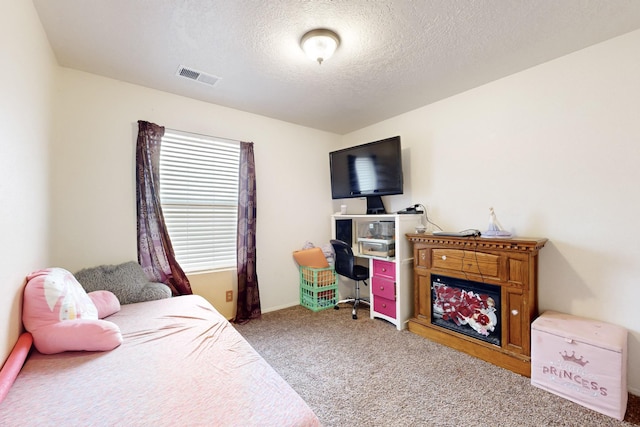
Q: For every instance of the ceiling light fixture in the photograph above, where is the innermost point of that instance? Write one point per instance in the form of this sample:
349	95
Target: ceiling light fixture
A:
319	44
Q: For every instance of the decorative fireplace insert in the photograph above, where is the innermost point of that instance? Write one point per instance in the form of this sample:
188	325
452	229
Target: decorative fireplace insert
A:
477	295
467	307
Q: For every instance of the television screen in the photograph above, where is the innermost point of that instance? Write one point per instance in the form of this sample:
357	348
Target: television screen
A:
368	170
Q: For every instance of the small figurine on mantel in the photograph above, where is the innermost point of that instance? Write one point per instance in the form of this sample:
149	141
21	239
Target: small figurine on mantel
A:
495	229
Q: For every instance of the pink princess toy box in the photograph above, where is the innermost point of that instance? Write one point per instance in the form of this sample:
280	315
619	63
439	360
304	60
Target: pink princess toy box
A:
582	360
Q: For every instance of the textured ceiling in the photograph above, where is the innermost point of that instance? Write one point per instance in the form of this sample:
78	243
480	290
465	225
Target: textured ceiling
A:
395	55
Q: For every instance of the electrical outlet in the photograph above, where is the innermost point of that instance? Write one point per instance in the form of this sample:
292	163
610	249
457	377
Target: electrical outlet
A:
229	296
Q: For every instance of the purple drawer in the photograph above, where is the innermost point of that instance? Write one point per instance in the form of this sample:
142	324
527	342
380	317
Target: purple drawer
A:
384	268
384	288
384	306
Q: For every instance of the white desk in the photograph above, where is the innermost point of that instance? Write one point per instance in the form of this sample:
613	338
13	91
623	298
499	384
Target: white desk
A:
390	278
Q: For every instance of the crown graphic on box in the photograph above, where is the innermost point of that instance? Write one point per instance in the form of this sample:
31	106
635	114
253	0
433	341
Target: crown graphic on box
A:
573	358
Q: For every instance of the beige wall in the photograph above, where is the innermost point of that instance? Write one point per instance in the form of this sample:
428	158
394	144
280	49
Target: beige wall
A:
214	286
94	210
26	82
555	151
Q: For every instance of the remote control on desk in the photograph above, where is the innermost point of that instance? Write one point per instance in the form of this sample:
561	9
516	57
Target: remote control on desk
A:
464	233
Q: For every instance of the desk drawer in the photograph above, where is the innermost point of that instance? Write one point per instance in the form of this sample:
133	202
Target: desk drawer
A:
384	268
384	306
384	288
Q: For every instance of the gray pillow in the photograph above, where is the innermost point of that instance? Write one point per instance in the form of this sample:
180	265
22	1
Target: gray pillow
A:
127	281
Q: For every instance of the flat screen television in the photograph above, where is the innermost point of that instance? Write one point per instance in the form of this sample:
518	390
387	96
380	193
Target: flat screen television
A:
369	170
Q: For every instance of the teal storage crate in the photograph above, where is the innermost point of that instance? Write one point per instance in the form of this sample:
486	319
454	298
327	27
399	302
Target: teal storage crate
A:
318	288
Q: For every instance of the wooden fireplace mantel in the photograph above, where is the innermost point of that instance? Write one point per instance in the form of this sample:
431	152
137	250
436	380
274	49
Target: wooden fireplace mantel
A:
511	264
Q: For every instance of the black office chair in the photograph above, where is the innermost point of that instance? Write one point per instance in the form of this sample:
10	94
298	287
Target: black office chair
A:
346	266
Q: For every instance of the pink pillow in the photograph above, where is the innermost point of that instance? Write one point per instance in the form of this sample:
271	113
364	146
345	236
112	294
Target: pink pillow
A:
62	317
77	335
106	302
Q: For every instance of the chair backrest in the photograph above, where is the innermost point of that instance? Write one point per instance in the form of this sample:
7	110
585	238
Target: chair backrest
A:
344	258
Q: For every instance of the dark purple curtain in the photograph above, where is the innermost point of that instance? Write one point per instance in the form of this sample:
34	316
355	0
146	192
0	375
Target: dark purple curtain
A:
155	253
248	306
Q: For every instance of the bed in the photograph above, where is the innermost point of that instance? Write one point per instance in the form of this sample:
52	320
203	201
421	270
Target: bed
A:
181	363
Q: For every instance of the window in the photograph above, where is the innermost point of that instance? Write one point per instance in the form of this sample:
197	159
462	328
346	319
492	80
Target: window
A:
199	197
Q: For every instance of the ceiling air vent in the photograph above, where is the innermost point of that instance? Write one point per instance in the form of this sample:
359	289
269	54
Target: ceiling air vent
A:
199	76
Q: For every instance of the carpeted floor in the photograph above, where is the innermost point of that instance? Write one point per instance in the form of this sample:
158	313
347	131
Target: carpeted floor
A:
366	373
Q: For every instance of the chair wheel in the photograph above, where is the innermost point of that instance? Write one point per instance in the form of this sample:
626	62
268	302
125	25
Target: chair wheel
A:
354	316
335	307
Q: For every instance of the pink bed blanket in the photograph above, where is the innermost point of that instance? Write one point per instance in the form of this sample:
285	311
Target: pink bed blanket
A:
181	364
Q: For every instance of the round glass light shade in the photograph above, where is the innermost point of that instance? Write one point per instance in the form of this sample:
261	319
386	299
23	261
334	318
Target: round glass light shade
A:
320	44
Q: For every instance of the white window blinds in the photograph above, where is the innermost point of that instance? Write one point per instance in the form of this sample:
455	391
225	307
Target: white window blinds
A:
199	196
